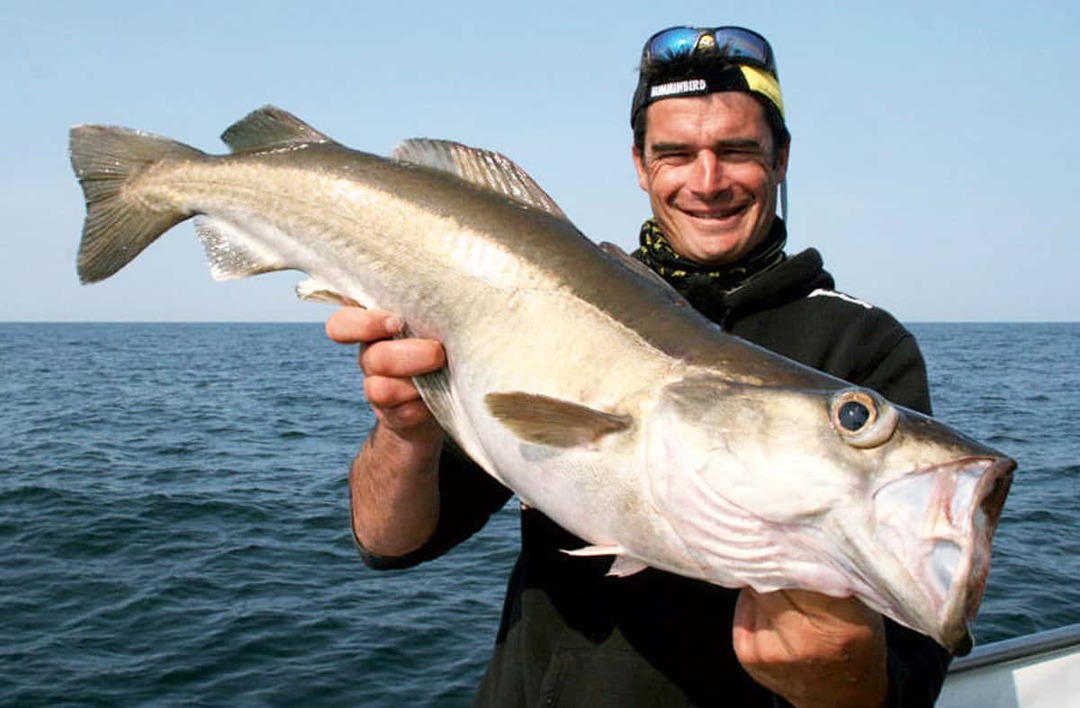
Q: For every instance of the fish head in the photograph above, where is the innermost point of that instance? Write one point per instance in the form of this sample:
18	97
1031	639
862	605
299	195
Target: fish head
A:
835	490
936	506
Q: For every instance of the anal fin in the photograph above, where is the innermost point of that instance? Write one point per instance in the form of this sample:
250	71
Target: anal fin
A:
231	253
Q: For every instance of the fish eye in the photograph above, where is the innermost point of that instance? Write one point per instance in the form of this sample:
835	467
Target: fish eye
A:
853	415
863	418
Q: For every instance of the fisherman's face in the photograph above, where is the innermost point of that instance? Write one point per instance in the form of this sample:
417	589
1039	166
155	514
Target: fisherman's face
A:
711	170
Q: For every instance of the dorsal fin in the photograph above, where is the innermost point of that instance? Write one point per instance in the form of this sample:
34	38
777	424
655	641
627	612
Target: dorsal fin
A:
270	127
485	168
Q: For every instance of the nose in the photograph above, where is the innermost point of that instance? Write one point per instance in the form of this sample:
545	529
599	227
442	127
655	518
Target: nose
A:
706	175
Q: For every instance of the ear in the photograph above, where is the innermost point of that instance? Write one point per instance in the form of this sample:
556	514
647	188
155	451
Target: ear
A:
780	171
639	165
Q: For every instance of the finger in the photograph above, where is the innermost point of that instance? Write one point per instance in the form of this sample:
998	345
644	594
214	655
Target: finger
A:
743	627
407	415
746	610
356	325
816	606
402	358
389	392
754	633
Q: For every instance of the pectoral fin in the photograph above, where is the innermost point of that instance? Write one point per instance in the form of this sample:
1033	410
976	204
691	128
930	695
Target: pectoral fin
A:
550	421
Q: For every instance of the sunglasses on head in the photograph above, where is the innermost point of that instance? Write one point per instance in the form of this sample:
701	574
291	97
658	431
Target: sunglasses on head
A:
741	45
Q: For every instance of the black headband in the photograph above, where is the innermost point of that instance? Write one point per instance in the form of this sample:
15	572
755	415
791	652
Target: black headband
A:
698	79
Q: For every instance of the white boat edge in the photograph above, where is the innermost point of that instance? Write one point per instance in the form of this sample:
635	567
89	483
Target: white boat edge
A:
1040	670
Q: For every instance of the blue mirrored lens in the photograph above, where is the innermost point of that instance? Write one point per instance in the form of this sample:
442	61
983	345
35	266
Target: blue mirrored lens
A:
744	45
673	43
737	42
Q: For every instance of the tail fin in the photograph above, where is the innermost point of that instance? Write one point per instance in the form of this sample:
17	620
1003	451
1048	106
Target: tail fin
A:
119	224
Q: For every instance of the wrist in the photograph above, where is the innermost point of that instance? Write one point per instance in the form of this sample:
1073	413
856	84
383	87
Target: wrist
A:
424	438
394	490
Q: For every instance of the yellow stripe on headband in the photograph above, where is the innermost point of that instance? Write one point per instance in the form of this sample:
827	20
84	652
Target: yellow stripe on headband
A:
764	83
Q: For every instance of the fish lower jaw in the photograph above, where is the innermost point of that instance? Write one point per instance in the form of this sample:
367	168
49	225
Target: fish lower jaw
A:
939	522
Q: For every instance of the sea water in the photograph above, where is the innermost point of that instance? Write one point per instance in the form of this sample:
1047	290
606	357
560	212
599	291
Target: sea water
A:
174	517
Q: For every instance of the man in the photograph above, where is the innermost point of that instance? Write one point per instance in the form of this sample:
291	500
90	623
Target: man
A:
711	150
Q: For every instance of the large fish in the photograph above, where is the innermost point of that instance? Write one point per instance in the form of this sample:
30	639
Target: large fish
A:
575	377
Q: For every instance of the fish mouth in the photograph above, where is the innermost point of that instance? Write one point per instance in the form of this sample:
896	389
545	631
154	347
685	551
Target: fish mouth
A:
952	511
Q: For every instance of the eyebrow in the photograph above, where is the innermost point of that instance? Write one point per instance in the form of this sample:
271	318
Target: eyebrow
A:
722	144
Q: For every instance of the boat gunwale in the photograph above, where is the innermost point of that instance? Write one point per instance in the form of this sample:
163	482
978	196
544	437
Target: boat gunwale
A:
1008	650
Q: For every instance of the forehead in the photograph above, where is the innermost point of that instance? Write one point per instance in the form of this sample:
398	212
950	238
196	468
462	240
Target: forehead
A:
712	117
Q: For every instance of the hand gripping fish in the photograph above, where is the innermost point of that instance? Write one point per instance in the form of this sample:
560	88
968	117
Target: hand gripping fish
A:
574	376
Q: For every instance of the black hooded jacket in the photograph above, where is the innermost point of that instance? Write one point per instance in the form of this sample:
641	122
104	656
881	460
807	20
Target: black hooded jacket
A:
572	636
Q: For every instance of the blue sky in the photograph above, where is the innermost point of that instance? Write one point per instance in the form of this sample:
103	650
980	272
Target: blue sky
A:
932	161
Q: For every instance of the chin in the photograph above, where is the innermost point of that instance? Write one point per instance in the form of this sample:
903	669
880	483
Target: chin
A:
718	249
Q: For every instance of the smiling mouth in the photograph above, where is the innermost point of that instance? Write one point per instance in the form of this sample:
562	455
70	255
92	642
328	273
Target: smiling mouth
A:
718	214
